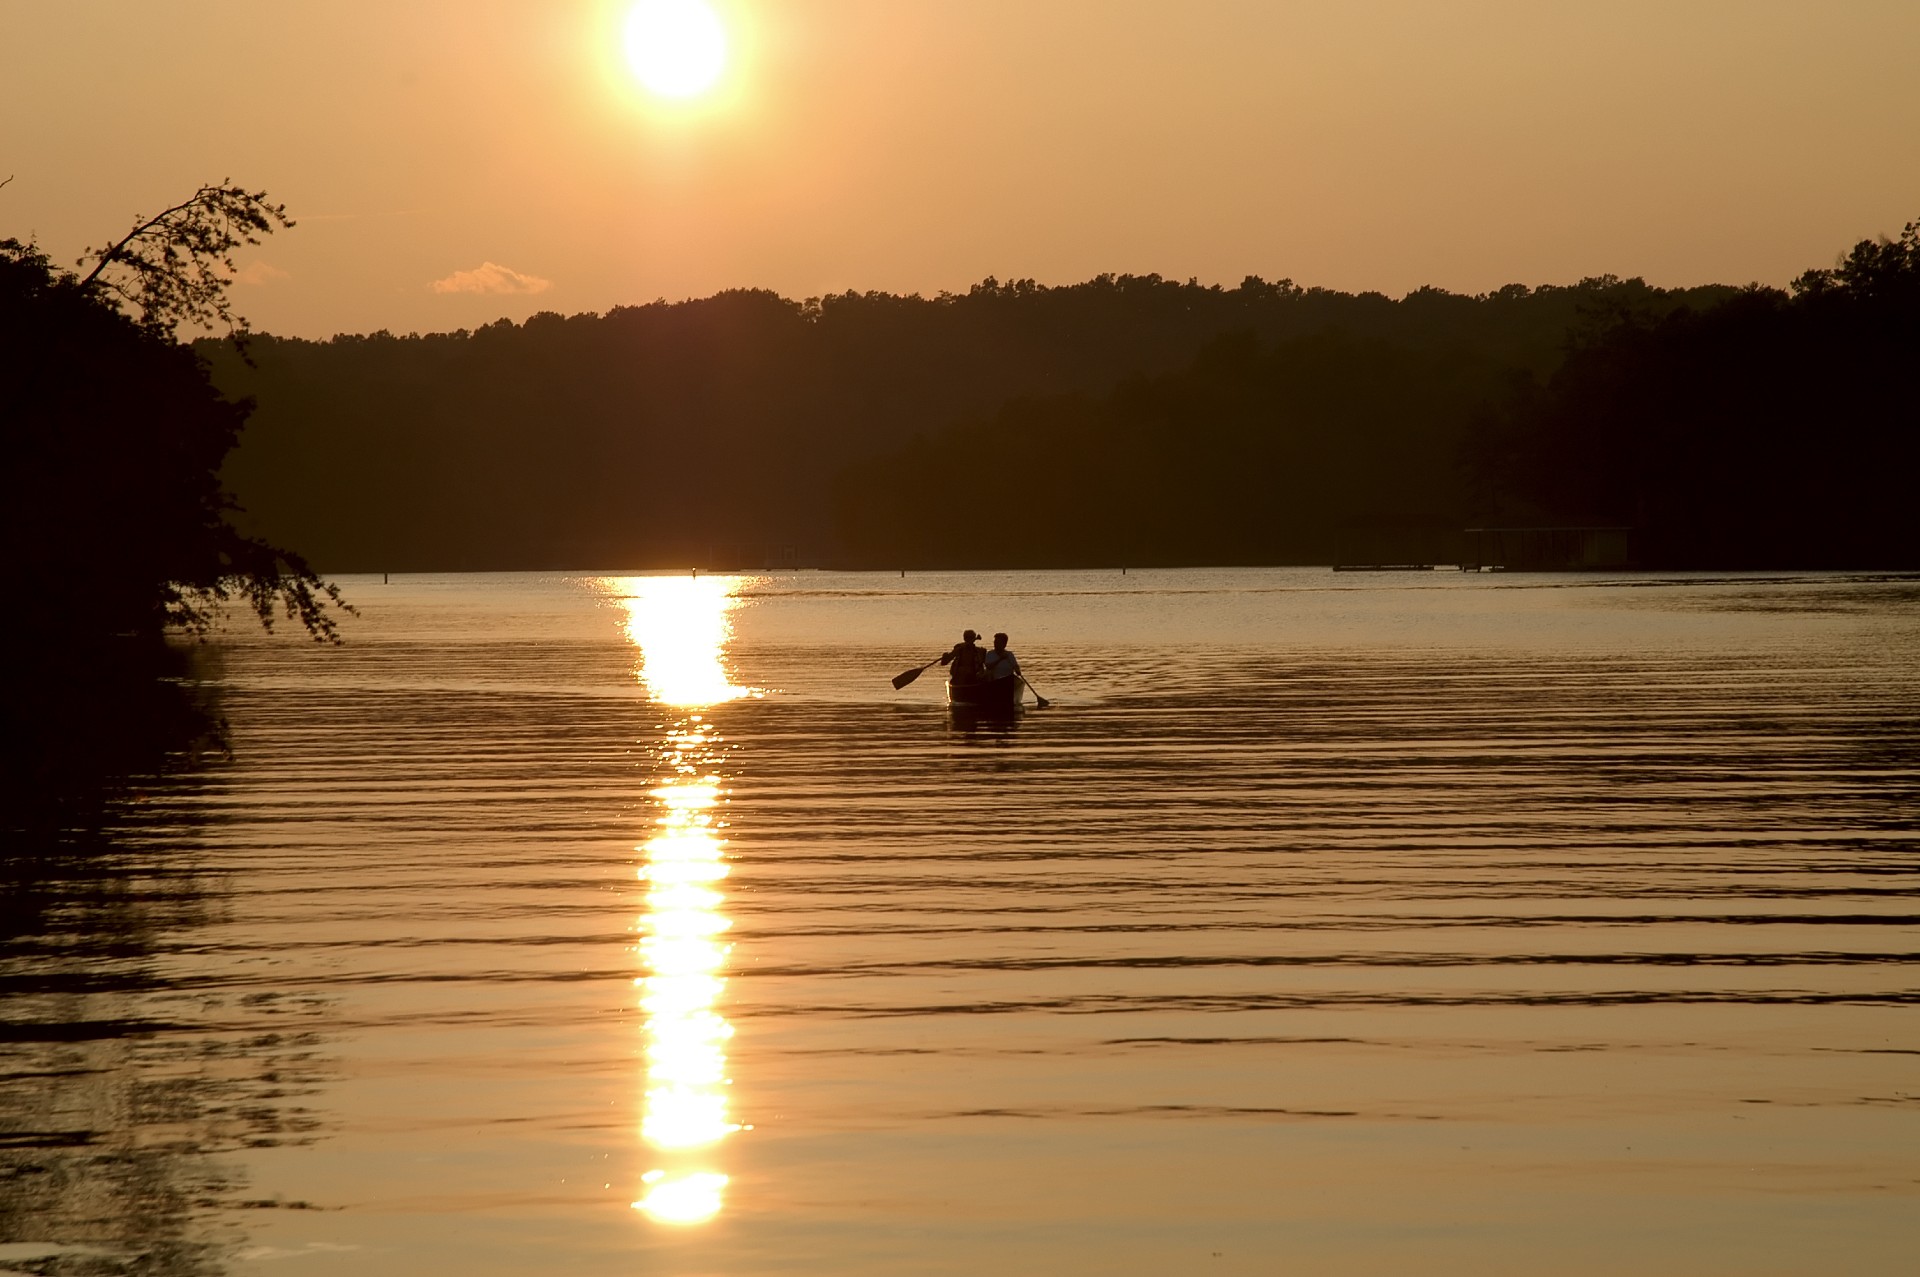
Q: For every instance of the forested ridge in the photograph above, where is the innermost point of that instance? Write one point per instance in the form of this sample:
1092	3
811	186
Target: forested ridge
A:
723	431
1128	419
1775	430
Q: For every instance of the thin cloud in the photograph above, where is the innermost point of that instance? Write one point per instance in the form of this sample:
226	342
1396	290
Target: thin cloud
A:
259	273
491	277
355	217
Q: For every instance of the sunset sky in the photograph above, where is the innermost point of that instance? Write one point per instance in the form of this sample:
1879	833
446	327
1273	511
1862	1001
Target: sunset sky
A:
450	163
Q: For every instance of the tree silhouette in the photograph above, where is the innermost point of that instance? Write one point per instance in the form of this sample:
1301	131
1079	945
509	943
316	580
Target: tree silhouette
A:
175	267
715	431
1770	431
116	521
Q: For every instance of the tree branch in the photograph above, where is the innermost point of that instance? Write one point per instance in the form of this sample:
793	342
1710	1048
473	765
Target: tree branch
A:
107	255
176	266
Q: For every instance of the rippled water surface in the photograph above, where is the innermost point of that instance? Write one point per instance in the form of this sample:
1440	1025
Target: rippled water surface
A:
1324	923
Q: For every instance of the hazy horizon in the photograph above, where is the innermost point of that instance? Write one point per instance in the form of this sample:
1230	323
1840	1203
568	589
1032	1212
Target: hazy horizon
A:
450	166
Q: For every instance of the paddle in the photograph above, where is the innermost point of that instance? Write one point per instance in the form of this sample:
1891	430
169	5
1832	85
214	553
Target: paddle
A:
1039	701
904	677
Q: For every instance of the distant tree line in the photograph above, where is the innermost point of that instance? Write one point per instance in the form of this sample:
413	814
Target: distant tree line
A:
1726	428
1773	430
1315	449
1128	419
746	429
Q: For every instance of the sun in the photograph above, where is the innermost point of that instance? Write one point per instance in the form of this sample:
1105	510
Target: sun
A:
676	48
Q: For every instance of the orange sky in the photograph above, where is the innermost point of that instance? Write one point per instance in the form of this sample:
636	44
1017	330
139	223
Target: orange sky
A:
915	146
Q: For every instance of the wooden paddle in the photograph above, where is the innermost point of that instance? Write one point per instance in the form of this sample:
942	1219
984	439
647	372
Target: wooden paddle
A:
1039	701
904	677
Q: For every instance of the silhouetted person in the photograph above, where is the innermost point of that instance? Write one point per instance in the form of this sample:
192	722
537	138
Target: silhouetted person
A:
968	662
1001	662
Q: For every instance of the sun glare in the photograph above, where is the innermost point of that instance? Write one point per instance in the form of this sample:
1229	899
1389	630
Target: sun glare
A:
681	626
676	48
683	946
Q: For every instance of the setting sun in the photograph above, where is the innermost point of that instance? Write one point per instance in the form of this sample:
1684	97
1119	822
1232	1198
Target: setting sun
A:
676	48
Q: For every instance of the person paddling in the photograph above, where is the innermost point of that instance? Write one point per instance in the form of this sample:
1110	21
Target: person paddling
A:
973	668
968	662
1001	662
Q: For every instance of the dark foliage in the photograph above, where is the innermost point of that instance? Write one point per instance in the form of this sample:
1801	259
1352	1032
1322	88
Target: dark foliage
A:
115	528
1126	419
1318	449
175	267
115	520
711	432
1770	431
1341	445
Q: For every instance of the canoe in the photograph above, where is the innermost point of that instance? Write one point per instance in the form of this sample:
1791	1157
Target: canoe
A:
998	693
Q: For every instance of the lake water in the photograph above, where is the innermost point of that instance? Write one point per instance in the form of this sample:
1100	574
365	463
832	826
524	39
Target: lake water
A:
1324	923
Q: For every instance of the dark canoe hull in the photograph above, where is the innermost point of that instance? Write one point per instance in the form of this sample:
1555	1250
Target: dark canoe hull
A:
1001	693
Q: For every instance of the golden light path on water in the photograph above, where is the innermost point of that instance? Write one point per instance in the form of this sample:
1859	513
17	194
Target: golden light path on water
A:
681	626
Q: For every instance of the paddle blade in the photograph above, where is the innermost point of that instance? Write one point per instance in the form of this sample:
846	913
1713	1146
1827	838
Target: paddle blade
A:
901	679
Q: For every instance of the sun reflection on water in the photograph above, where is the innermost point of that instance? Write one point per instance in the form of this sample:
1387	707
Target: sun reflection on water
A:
684	950
681	626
